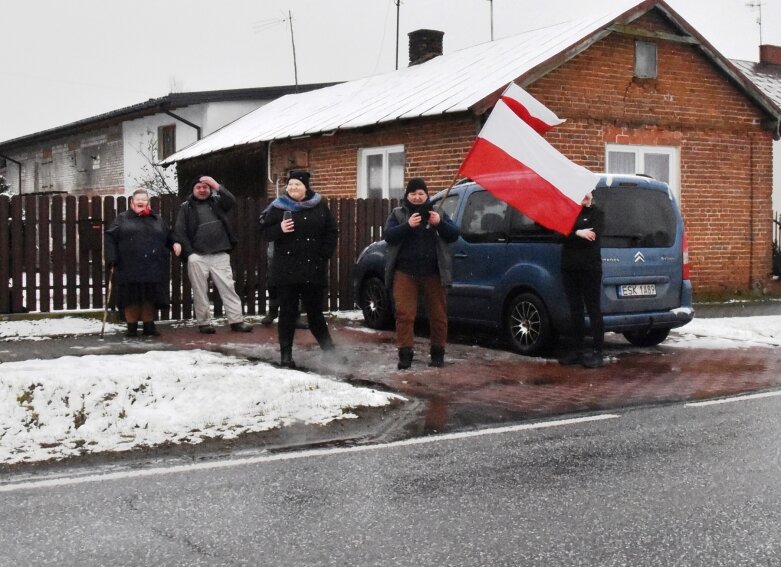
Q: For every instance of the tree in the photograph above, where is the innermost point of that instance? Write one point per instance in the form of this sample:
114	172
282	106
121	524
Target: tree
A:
5	187
153	178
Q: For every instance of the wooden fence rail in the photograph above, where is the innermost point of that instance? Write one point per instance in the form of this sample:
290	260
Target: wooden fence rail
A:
51	252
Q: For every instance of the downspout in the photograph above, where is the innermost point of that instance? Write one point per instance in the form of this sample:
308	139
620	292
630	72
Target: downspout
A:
197	128
19	170
268	168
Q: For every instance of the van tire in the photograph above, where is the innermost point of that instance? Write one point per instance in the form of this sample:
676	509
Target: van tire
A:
527	325
375	303
651	337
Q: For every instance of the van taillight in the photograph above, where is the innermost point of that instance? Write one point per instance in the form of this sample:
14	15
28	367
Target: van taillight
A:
686	268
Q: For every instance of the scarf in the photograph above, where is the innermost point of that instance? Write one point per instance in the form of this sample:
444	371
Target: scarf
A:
285	203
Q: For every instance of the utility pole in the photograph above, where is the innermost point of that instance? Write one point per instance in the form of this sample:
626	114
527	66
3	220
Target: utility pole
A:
398	4
293	41
491	2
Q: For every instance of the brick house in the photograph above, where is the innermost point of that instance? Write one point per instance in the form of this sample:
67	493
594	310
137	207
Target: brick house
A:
642	91
109	153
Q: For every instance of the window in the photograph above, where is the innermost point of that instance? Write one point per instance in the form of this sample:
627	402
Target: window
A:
645	60
43	178
659	162
484	219
166	141
381	172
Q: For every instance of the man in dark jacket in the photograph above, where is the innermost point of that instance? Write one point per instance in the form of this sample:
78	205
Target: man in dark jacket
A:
203	230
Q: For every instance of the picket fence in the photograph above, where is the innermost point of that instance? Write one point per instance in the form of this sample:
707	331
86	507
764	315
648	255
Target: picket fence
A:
51	252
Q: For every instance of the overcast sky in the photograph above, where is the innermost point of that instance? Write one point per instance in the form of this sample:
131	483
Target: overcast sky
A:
64	61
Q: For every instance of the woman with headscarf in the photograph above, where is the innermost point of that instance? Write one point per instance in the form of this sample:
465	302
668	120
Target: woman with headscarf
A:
304	233
137	244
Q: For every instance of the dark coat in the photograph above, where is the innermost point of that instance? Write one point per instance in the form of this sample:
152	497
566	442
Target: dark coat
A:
301	256
186	226
399	234
140	248
581	254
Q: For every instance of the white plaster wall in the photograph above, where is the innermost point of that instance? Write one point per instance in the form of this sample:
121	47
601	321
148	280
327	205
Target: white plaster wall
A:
218	114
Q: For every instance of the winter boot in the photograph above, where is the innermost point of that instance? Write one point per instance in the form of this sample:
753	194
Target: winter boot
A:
287	357
273	313
405	358
132	330
572	357
150	330
593	360
437	357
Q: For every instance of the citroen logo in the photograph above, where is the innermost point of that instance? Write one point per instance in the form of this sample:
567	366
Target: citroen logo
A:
639	257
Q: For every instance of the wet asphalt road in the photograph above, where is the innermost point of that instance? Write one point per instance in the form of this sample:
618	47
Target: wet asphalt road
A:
666	485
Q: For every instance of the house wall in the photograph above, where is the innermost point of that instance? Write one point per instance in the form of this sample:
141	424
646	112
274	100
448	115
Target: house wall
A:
140	136
90	163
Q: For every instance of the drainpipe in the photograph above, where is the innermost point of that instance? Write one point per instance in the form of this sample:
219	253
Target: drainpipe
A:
19	169
197	128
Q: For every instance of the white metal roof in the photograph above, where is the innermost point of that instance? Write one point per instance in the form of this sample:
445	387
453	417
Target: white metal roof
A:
448	83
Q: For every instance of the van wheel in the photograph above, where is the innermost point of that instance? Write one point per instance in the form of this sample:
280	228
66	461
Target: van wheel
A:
527	325
375	303
647	338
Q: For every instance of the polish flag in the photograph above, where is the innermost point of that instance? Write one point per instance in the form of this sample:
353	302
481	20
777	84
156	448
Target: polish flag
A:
530	110
512	161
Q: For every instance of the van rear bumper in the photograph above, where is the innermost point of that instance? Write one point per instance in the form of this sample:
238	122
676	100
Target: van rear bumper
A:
671	319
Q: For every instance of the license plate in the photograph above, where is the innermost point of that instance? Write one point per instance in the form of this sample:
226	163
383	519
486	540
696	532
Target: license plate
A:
637	290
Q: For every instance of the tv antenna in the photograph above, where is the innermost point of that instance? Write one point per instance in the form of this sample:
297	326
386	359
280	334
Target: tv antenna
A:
757	4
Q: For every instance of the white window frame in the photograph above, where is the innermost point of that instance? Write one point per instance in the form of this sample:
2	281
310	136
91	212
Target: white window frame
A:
640	152
363	154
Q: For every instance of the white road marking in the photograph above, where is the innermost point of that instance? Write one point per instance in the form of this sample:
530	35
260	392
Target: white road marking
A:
742	398
65	481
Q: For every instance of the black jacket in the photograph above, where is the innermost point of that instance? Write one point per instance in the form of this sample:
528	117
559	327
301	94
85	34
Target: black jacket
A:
578	253
140	248
301	256
186	226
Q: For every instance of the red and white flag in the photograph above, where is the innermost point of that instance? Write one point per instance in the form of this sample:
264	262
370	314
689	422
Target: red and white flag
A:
529	109
512	161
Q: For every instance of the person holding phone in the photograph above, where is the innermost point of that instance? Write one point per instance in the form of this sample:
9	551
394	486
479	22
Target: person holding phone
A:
418	260
206	236
304	233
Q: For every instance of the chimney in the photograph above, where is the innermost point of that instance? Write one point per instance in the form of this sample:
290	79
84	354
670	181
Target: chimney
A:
424	45
770	54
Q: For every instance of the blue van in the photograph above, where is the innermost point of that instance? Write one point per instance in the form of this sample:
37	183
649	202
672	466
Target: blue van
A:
506	267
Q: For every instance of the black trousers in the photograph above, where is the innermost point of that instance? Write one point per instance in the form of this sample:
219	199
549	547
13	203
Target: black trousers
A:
312	298
584	287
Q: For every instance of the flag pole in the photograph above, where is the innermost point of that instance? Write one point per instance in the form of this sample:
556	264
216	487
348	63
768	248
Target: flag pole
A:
447	192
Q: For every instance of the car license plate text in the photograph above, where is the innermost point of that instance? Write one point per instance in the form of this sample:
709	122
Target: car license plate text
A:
637	290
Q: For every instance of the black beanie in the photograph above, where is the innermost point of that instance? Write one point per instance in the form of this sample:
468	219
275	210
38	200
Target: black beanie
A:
195	180
302	176
414	184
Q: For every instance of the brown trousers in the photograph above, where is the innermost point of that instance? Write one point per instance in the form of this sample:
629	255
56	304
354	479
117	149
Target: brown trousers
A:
405	295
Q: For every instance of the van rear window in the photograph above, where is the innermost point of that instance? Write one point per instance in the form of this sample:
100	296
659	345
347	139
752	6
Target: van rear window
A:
636	218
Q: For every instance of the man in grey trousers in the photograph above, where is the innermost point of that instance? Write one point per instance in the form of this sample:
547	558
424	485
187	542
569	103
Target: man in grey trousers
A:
203	230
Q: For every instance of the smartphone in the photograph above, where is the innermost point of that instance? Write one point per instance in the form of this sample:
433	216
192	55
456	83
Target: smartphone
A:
287	215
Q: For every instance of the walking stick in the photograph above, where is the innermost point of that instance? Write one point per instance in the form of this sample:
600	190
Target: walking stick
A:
106	300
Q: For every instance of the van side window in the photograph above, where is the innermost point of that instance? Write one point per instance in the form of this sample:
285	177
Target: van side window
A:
484	218
524	228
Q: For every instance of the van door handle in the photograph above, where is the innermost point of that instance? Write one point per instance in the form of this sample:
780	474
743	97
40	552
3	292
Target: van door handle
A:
459	255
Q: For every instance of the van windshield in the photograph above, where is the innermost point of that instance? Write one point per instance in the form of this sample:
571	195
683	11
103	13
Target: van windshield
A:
636	217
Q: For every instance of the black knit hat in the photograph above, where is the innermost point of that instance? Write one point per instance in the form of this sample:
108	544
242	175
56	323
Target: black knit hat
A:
414	184
194	181
302	176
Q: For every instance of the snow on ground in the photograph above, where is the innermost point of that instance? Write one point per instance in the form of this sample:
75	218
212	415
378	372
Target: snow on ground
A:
51	409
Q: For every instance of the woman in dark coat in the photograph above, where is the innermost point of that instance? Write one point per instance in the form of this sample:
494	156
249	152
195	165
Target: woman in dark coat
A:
581	271
304	233
137	244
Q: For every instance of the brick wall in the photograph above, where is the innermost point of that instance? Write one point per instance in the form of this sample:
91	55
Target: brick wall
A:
725	155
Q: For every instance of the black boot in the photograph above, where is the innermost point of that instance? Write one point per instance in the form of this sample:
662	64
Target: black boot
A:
405	358
287	357
593	359
150	330
273	313
437	357
132	330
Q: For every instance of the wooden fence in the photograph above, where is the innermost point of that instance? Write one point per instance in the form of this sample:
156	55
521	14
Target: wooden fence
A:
51	252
